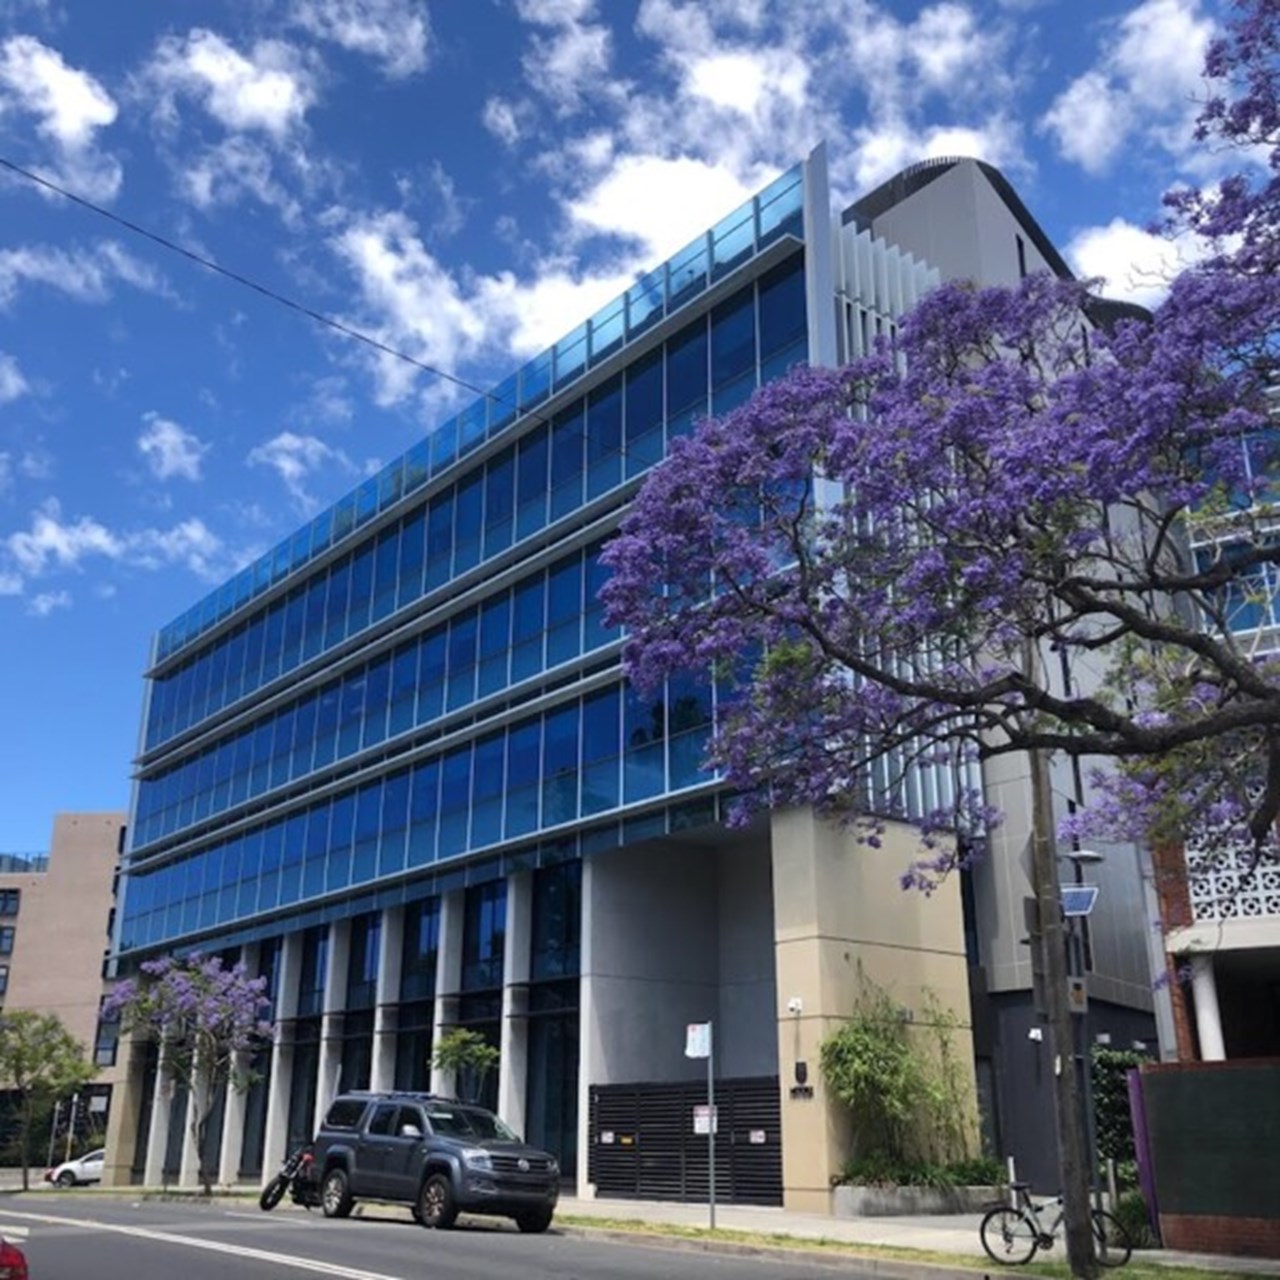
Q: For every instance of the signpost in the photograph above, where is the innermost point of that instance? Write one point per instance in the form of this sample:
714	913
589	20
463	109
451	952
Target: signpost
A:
699	1042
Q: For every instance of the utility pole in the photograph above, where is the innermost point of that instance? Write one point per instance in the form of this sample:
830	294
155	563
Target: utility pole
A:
1050	936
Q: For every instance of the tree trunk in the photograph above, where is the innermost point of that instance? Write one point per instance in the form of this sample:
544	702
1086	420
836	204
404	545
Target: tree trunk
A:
24	1140
1068	1103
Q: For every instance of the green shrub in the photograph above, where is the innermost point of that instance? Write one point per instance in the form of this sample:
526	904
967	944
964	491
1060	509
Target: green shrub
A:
980	1171
886	1171
1131	1213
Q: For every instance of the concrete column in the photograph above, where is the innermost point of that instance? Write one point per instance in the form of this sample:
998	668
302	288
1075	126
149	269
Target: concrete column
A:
234	1107
126	1108
513	1067
448	978
335	1003
158	1135
189	1165
1204	989
588	1032
385	1015
281	1082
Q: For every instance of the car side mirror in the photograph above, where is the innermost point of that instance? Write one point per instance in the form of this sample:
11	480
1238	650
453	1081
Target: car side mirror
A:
410	1131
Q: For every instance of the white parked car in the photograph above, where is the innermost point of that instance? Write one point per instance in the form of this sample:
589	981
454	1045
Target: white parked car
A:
76	1173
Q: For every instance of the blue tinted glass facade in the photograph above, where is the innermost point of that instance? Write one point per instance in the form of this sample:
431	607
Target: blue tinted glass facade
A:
442	690
773	214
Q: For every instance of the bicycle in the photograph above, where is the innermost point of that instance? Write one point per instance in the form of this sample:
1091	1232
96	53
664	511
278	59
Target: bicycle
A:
1012	1234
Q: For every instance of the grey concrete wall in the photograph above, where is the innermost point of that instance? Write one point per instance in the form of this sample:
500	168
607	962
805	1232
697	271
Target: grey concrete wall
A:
747	1039
961	226
653	960
1024	1079
679	933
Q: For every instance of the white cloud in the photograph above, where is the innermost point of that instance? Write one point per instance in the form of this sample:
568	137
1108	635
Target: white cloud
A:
1136	265
1145	81
86	274
295	458
171	450
235	167
12	382
395	33
11	584
46	602
502	119
634	199
70	107
270	88
53	543
573	58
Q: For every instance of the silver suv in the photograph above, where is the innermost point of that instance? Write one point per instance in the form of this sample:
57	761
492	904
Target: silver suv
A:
440	1156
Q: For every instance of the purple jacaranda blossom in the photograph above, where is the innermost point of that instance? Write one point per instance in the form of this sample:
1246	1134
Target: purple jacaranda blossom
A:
208	1020
883	565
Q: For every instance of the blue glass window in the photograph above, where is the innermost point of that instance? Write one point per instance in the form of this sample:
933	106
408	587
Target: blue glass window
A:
315	849
439	540
386	568
686	378
341	831
462	660
644	732
601	738
560	766
455	796
413	551
421	950
395	823
361	589
424	799
733	351
567	439
524	771
335	621
368	824
531	483
528	616
377	692
431	681
468	508
404	688
499	502
535	381
484	931
487	785
687	274
495	644
326	725
604	438
689	715
564	609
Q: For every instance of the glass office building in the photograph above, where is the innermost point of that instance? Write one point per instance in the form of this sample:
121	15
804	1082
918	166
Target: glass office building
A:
394	766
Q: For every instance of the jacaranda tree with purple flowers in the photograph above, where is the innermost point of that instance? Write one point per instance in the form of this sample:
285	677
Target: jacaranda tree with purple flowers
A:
1012	531
207	1021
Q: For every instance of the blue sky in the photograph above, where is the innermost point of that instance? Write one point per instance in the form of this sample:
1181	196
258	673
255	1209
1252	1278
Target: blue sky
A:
465	180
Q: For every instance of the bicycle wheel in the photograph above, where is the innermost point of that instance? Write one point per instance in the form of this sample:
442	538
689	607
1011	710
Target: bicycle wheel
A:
1008	1236
1111	1239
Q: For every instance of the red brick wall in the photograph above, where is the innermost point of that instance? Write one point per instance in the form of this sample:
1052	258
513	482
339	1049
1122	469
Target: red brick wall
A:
1245	1237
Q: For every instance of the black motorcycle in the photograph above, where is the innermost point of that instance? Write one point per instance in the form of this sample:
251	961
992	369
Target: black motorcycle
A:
294	1176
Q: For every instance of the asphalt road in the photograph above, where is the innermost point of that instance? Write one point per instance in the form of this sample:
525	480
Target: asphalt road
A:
92	1237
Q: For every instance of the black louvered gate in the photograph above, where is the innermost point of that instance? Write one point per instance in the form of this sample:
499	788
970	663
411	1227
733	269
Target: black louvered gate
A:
643	1145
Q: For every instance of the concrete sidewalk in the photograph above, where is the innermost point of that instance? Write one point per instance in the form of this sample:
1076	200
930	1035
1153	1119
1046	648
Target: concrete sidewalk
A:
951	1234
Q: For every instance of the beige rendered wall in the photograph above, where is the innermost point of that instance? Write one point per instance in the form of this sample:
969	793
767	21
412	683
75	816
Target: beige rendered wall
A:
839	911
61	926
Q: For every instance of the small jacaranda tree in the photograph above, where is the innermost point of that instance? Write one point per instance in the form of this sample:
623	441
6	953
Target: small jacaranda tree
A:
207	1021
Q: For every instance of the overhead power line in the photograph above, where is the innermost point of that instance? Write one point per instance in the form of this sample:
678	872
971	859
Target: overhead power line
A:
237	277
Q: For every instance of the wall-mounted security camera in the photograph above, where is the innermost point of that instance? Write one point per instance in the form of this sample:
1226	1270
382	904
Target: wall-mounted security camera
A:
795	1005
1036	1034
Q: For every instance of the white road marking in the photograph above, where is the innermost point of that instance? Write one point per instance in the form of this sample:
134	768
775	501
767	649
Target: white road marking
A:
15	1233
194	1242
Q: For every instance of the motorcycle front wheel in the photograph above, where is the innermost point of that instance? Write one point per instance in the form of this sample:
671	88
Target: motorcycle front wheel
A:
273	1193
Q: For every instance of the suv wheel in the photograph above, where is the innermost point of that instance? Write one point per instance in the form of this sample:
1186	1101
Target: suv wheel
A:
335	1195
435	1203
534	1221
